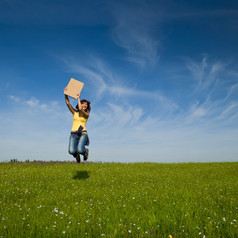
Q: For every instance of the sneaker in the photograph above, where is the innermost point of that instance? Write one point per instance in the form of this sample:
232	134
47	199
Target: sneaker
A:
86	155
78	158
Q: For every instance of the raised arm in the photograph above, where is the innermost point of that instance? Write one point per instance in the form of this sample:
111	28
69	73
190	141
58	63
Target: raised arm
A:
68	103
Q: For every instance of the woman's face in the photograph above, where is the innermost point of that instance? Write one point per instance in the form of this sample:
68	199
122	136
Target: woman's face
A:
84	106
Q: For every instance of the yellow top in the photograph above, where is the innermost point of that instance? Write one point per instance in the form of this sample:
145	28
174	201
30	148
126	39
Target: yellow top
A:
78	121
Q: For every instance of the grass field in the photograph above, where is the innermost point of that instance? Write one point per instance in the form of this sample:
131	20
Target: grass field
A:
118	200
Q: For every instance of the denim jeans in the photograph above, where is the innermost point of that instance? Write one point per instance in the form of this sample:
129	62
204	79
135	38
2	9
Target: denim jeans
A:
77	144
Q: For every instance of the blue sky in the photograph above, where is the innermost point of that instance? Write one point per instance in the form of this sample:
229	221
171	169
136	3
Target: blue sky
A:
162	77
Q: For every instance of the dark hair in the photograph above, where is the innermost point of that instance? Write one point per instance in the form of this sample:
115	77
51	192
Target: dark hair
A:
88	105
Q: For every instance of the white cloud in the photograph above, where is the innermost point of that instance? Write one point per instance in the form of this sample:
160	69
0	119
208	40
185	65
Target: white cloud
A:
205	105
118	137
217	67
33	102
123	129
199	112
200	72
38	131
104	82
207	74
134	30
119	132
214	91
231	109
232	90
14	98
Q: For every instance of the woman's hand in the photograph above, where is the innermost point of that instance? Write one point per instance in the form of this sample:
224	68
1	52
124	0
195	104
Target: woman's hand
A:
78	95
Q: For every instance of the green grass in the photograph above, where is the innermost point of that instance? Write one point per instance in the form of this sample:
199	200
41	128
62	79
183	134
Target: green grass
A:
118	200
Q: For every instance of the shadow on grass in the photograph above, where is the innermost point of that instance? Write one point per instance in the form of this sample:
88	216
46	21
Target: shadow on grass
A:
81	175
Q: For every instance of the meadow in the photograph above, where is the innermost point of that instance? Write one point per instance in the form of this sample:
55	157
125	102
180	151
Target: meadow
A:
118	200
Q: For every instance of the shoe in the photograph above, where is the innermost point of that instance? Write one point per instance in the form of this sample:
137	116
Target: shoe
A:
78	158
86	155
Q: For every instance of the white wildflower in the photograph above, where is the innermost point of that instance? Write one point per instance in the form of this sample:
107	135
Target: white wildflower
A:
55	210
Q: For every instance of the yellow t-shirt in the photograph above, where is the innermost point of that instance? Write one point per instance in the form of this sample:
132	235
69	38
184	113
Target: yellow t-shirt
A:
79	121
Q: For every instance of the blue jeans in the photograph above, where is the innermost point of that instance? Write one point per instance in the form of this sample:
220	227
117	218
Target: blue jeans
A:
77	144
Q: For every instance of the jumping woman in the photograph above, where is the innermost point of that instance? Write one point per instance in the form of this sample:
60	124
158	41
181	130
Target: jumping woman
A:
79	136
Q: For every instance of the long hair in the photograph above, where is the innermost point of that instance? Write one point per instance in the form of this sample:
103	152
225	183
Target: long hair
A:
88	105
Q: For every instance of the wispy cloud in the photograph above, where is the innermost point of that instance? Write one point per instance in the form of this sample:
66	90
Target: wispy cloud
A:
209	96
133	31
124	124
230	110
35	104
232	90
104	82
214	86
38	130
129	129
137	28
205	74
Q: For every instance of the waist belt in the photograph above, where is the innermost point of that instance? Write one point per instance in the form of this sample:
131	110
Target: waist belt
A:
77	132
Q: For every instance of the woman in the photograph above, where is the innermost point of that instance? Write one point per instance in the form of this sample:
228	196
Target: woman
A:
79	136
